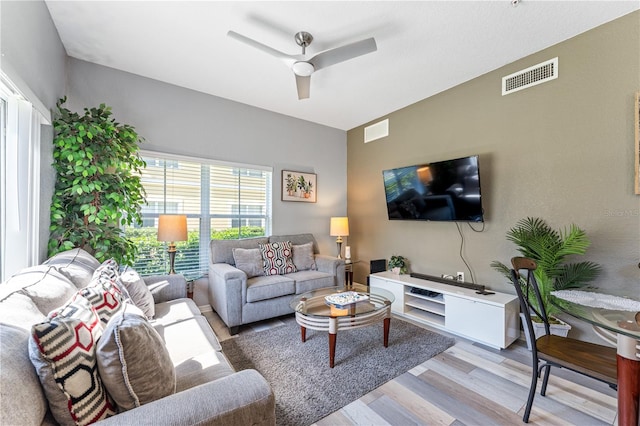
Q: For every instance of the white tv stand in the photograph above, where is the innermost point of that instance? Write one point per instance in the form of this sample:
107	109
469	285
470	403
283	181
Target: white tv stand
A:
490	319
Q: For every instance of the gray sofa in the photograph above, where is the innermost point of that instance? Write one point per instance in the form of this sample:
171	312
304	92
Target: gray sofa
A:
239	296
207	389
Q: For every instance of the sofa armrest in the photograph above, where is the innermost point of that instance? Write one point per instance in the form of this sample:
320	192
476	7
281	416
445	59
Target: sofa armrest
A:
331	265
166	287
227	292
243	398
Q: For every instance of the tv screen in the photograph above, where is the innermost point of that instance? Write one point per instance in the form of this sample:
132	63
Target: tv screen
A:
441	191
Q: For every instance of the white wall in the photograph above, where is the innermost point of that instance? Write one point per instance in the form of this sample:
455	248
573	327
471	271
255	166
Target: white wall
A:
181	121
33	57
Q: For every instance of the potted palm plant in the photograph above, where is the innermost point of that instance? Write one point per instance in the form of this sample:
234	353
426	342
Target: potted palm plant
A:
550	249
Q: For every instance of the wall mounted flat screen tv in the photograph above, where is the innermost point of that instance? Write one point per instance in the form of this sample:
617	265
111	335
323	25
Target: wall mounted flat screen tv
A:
441	191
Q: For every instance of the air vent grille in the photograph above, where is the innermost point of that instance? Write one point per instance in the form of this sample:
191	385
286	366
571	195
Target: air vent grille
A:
376	131
531	76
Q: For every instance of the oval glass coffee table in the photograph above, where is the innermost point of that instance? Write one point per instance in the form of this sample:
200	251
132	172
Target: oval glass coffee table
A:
314	312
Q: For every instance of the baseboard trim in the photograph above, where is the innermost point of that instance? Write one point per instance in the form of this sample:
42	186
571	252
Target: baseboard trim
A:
205	308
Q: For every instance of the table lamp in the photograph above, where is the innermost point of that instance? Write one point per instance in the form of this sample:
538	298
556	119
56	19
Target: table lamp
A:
172	228
339	228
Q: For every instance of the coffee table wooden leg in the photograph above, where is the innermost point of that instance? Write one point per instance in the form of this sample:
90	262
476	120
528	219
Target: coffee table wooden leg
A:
387	323
333	329
332	349
628	391
303	334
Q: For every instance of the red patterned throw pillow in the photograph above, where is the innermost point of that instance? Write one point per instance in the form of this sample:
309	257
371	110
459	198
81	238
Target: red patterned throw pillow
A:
276	258
105	297
63	352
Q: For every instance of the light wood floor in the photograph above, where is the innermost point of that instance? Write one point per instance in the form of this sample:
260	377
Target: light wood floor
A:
470	384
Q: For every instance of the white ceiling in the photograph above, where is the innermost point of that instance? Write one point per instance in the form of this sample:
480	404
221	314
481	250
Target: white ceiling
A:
424	47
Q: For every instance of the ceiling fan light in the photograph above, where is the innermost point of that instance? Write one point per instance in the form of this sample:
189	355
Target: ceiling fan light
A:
303	69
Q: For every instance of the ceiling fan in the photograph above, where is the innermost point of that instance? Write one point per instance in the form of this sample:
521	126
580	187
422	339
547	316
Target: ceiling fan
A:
303	68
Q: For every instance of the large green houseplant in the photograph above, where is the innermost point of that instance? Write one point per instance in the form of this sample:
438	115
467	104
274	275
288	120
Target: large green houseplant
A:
551	249
98	187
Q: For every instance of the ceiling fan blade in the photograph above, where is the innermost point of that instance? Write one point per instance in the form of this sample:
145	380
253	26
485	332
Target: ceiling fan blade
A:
303	84
288	59
343	53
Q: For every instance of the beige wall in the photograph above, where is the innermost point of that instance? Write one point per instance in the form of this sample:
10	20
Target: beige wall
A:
562	151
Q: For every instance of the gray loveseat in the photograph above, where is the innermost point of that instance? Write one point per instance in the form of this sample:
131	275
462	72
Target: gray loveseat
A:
207	389
244	294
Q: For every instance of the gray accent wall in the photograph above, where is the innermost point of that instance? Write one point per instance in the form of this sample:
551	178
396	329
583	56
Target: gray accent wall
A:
181	121
33	56
562	151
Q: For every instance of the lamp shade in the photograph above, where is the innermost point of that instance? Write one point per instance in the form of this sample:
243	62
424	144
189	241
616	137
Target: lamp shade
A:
172	227
339	227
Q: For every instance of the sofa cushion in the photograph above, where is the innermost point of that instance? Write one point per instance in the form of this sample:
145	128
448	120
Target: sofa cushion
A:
63	351
297	239
201	369
47	288
76	264
249	261
175	311
21	399
303	257
263	288
311	280
138	291
18	309
188	339
221	251
276	258
133	361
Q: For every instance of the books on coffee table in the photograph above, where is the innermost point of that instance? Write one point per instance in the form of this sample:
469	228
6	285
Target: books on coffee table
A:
345	299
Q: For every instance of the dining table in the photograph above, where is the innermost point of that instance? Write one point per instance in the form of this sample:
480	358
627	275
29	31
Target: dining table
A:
615	317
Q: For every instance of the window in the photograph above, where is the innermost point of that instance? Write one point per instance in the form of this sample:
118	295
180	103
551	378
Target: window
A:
152	209
19	179
221	201
250	216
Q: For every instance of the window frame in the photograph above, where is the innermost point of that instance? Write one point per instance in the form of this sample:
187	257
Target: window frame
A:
20	140
206	214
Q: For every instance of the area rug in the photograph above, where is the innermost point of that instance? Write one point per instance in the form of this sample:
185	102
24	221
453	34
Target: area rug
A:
306	389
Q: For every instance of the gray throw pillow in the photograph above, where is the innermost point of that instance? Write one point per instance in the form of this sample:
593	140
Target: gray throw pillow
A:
303	257
249	261
75	264
134	362
43	284
138	291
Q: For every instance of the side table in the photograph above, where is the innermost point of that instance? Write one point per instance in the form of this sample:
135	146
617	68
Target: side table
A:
348	273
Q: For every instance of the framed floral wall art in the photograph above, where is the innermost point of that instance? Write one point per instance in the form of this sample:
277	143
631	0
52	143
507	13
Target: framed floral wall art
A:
298	186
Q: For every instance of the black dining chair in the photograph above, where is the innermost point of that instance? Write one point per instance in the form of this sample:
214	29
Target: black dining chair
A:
589	359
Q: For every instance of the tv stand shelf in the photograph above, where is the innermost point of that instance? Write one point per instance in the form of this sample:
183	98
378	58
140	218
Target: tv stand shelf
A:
490	319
